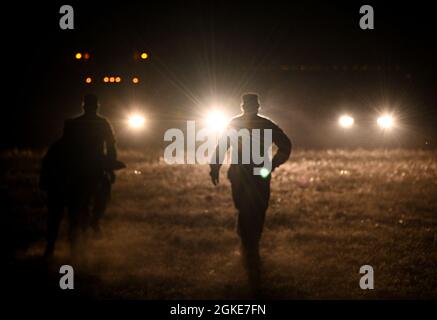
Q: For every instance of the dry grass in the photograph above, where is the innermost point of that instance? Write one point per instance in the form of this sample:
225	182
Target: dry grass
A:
169	233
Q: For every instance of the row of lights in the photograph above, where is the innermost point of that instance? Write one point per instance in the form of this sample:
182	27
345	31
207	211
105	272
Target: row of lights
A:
217	121
385	121
117	79
80	56
86	56
112	79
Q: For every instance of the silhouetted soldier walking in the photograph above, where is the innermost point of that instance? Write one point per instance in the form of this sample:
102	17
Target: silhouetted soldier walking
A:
251	192
53	180
92	150
78	170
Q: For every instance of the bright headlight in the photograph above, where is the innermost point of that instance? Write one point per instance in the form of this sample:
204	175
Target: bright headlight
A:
136	121
346	121
385	121
216	120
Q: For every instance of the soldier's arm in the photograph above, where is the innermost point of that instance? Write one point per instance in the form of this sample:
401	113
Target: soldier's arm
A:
46	163
111	150
283	143
218	157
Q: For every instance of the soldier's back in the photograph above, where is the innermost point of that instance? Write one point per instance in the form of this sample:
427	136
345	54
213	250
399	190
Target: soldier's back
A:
87	135
249	122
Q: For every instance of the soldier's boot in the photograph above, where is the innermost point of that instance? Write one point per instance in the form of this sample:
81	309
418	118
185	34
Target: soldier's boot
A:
252	264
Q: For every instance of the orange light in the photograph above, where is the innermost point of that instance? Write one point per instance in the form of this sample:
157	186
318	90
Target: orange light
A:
117	79
78	56
106	79
135	80
144	56
111	79
86	56
88	80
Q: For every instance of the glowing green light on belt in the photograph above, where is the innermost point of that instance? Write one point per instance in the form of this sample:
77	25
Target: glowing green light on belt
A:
264	172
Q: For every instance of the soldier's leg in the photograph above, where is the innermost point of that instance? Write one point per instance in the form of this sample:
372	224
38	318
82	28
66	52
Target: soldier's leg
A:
261	207
250	247
78	212
55	212
252	203
245	230
73	228
101	200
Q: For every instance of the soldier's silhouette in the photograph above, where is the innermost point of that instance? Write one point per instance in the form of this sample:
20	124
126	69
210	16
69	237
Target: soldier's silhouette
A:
77	172
53	180
251	193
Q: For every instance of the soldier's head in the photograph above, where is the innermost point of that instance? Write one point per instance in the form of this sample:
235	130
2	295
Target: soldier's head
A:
250	103
90	103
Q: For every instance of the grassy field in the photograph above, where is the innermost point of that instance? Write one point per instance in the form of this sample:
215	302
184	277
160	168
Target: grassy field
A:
169	233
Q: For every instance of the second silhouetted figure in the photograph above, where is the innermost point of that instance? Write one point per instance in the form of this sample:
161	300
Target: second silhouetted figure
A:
78	171
251	192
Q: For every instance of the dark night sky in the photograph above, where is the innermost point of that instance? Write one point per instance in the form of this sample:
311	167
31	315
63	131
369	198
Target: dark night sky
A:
298	55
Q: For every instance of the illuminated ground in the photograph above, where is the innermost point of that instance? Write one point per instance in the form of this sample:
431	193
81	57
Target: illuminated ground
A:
169	233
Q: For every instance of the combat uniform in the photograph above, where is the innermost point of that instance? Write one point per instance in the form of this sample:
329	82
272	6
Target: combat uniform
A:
92	147
53	181
78	170
250	192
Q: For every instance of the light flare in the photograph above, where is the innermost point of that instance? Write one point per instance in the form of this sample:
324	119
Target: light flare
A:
385	121
216	120
136	121
346	121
